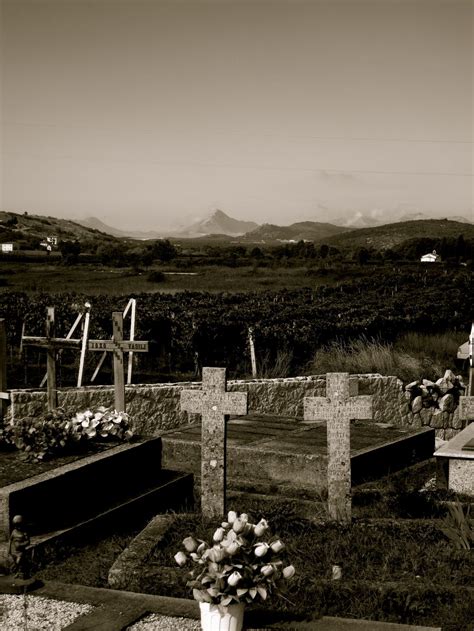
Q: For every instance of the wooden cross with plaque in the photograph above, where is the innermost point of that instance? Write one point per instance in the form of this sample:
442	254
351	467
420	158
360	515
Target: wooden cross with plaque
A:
338	408
118	346
52	344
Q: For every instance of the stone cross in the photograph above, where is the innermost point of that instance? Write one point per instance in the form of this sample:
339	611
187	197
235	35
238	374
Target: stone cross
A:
214	404
4	395
52	345
338	408
118	346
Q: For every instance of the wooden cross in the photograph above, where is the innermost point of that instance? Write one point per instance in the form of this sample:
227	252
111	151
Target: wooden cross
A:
4	395
338	408
118	346
214	404
52	344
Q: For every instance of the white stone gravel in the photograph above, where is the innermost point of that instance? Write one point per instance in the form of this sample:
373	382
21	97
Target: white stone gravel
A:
157	622
34	613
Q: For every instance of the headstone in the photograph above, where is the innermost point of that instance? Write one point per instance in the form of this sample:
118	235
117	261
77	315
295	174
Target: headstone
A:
338	408
214	404
118	346
4	395
52	345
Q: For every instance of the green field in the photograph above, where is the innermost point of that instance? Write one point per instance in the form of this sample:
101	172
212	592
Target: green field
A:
97	279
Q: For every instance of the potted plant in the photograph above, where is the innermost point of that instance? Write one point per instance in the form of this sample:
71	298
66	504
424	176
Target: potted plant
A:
242	565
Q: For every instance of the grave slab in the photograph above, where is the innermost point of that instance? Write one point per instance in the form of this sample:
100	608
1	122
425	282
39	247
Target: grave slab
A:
278	450
456	462
63	503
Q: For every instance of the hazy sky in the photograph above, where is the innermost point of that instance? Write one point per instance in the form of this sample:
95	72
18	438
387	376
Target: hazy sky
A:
146	113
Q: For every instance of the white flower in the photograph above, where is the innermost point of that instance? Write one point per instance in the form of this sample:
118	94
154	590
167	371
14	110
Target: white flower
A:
261	549
288	571
218	535
260	528
231	517
277	546
267	570
234	578
180	558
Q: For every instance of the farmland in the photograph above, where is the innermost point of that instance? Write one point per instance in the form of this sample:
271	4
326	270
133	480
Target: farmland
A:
188	328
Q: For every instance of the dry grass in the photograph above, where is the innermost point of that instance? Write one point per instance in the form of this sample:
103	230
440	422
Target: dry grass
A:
413	356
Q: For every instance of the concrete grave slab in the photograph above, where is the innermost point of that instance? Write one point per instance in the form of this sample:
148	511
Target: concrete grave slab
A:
456	462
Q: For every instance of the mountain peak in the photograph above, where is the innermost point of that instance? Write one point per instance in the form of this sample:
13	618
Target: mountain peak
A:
219	223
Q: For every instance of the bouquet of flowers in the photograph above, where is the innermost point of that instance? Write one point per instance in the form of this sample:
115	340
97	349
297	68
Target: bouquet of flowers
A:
243	563
104	423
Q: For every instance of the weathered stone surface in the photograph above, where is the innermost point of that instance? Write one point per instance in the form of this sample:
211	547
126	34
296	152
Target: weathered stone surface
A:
446	403
425	415
213	403
438	419
155	407
457	422
417	404
417	422
338	408
127	570
461	476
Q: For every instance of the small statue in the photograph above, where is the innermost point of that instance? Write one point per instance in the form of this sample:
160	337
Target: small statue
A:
19	542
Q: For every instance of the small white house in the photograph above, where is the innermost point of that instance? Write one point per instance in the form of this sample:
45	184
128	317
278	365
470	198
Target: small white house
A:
7	247
432	257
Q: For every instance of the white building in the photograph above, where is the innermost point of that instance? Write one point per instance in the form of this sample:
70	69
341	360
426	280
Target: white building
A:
7	247
432	257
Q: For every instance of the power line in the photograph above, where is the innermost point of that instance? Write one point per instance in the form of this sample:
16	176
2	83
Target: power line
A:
271	134
256	167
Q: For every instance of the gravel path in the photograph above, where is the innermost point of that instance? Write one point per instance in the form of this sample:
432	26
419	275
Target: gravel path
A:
156	622
34	613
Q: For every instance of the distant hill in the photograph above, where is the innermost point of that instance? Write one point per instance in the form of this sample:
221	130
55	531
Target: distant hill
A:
218	223
390	235
302	230
18	227
97	224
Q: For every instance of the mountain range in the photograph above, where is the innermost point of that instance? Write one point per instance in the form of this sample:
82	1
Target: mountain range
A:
222	225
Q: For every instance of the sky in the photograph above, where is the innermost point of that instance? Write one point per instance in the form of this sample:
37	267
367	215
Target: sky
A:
149	114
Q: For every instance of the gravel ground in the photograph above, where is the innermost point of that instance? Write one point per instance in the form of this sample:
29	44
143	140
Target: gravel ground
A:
156	622
39	614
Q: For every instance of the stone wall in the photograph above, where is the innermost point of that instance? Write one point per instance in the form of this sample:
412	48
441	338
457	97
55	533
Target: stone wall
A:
155	407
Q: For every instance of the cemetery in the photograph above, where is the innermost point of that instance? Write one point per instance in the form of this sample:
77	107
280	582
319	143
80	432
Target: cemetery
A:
369	484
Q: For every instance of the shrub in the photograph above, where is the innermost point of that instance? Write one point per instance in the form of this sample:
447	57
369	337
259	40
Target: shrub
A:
38	437
156	277
44	436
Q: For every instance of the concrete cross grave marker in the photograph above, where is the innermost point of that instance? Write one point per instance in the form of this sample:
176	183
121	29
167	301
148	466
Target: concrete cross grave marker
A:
338	408
118	346
4	395
466	403
52	344
214	404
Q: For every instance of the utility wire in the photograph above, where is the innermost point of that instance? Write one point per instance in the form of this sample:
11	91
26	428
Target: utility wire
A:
255	167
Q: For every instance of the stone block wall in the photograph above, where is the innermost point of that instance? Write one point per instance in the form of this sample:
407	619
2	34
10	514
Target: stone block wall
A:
155	407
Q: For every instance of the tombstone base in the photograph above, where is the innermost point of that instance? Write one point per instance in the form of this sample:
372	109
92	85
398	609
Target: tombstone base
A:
18	586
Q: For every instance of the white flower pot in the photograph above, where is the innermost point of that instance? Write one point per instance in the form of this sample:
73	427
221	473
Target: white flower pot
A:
228	618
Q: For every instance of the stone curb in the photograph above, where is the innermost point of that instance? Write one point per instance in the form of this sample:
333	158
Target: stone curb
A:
116	610
135	555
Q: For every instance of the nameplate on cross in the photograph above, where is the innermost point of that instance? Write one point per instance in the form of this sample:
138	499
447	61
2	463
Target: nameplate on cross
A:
118	346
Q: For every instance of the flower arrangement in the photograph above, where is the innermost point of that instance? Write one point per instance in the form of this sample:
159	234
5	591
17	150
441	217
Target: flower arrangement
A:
243	563
105	423
41	437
